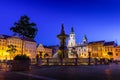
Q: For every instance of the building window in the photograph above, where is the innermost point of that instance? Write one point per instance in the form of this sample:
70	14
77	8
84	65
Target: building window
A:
116	54
82	53
2	48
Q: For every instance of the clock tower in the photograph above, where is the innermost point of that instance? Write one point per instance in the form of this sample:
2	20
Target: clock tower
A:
72	40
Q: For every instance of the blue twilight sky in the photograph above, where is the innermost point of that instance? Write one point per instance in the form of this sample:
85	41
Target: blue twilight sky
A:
98	19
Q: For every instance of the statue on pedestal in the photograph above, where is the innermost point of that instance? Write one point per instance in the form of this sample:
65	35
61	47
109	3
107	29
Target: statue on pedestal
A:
63	51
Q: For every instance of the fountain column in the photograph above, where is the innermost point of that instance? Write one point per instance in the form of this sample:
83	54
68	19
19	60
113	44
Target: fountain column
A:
63	48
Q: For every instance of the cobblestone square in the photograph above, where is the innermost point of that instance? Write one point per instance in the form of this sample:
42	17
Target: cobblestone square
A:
93	72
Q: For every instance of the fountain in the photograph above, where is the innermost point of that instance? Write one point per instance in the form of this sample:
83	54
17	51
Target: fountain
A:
63	51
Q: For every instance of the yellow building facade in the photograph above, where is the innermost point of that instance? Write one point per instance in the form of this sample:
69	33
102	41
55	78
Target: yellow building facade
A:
101	49
108	47
95	48
116	54
29	46
43	50
3	48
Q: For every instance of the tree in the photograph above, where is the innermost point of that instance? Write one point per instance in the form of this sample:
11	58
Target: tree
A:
11	49
24	29
46	55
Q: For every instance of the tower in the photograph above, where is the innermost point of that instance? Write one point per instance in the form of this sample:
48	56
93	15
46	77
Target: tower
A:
72	40
84	39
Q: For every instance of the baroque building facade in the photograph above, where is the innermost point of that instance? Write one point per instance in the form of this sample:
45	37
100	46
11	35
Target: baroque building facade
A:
71	44
43	50
29	46
95	49
82	49
116	54
77	50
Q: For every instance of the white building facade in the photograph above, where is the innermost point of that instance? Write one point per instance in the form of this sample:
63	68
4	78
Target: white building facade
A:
82	49
71	44
77	50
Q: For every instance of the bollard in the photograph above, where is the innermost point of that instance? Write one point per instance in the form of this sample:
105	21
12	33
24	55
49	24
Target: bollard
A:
76	61
47	61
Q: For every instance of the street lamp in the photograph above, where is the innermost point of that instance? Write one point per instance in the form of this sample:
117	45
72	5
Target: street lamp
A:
89	56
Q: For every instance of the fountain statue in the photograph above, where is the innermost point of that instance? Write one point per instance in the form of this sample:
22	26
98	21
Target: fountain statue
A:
63	51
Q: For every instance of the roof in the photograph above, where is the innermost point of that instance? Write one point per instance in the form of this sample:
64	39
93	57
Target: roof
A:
82	45
7	36
117	46
3	36
53	46
109	43
101	41
29	39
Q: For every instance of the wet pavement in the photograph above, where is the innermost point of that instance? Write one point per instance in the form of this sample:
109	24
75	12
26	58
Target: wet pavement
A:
14	76
99	72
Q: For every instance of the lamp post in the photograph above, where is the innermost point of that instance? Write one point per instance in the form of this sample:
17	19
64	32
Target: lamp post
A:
89	56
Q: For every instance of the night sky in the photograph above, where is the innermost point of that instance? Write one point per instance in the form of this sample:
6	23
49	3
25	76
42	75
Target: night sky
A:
98	19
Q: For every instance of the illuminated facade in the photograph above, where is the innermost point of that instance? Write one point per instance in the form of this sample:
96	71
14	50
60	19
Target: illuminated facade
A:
71	44
108	47
72	40
82	49
77	50
116	54
29	46
44	50
3	43
48	51
96	48
101	49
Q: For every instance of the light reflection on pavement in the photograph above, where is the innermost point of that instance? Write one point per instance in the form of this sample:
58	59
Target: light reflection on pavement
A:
99	72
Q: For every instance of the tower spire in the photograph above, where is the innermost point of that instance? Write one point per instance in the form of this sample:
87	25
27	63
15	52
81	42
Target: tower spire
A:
72	30
85	39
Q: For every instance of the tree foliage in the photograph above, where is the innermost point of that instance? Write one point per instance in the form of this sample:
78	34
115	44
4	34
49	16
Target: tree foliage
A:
21	57
24	28
46	55
11	49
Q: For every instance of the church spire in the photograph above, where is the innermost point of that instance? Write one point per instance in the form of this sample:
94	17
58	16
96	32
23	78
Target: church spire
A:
72	30
85	39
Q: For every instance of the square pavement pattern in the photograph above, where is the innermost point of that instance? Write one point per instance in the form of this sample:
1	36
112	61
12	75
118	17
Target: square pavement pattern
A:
94	72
